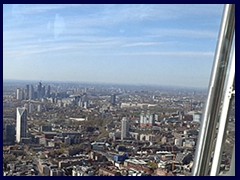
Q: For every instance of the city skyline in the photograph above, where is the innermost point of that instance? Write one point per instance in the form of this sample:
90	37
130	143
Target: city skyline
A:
170	45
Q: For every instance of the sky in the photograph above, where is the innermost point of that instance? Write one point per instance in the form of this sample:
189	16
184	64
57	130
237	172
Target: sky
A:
151	44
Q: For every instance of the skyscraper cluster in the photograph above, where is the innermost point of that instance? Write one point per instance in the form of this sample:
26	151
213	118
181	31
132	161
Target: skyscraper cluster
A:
30	94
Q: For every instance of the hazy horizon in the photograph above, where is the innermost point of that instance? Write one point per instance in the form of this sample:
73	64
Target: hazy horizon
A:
165	45
25	81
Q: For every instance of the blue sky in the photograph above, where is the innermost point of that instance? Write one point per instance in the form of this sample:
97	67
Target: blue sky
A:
158	44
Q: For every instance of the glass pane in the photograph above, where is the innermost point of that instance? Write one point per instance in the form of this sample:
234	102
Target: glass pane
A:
105	89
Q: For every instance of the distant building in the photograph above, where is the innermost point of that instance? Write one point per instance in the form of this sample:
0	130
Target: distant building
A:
135	135
147	137
67	140
197	117
19	94
10	133
56	172
31	93
120	157
180	115
46	128
39	108
39	90
27	92
178	142
147	120
25	106
21	124
125	128
43	92
164	140
48	91
99	146
113	99
86	104
189	143
30	108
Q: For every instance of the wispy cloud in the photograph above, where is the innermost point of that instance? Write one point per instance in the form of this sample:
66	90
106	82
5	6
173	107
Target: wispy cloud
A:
174	54
183	33
30	9
137	31
142	44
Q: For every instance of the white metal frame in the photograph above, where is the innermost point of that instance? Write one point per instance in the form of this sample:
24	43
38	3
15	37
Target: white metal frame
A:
218	102
224	116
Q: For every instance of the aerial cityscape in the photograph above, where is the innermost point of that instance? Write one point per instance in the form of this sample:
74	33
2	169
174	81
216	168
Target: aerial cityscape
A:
74	129
107	90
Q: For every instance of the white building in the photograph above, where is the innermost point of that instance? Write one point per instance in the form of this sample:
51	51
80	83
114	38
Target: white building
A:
21	124
147	120
19	94
39	108
197	117
178	142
